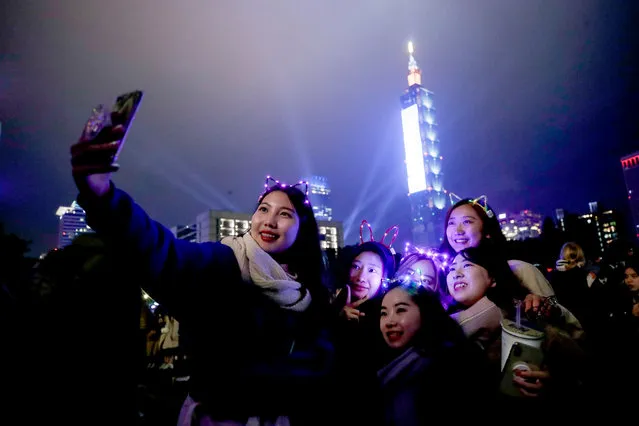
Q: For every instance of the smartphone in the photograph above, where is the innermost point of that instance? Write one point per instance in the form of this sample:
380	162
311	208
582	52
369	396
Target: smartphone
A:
521	357
124	110
102	120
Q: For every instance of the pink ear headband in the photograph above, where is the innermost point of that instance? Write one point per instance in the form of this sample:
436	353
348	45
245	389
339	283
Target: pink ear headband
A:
393	229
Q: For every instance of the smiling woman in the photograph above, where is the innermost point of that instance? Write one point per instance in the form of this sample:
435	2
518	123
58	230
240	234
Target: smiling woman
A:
432	357
273	274
471	223
400	318
275	223
358	344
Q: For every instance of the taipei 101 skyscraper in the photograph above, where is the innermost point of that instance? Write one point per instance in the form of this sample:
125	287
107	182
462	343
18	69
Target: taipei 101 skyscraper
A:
423	160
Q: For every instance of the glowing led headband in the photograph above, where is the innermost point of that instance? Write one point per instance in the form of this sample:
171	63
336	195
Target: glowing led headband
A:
271	184
481	201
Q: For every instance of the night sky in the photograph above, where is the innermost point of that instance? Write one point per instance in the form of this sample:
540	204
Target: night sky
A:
536	101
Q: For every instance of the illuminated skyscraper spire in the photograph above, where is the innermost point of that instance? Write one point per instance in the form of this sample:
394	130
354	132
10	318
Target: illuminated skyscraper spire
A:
423	159
414	73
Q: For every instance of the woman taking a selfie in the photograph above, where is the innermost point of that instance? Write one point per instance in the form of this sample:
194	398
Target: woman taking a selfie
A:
253	306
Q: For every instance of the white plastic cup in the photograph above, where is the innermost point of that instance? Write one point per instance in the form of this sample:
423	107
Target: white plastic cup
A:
523	335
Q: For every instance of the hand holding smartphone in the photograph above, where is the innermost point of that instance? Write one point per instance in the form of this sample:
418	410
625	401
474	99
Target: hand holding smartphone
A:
104	125
94	157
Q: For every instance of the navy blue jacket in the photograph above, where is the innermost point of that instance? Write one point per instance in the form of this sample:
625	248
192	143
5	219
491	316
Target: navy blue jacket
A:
249	356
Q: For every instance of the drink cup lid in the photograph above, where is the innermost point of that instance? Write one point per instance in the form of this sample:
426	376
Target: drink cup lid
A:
524	331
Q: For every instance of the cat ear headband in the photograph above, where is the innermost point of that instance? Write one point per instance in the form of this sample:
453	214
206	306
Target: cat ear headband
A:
394	229
270	183
481	201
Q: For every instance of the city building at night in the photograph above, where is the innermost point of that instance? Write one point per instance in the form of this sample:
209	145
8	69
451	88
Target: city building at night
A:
331	234
594	231
521	226
319	195
630	166
214	225
72	222
560	214
599	227
423	159
185	232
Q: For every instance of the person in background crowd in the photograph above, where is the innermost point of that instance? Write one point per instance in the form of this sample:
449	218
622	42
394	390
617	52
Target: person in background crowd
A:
631	280
575	286
169	341
614	260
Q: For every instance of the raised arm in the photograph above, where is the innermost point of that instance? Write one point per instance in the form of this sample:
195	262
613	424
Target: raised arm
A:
172	265
128	227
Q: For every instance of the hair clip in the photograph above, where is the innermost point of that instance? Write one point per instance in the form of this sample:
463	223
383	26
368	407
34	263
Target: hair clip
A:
478	201
394	229
270	183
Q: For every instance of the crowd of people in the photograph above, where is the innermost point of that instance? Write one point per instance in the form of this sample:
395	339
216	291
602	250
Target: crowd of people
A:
270	333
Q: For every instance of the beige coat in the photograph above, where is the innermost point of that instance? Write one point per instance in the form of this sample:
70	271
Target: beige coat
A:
170	334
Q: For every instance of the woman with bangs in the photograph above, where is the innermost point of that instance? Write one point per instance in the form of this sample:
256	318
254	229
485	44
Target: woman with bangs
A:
431	360
426	267
253	306
473	223
485	291
470	223
421	268
359	348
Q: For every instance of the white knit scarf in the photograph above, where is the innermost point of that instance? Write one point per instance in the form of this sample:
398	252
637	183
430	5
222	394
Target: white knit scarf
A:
259	268
483	315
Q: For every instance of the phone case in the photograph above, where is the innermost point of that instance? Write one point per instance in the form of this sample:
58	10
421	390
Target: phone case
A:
521	357
102	119
125	108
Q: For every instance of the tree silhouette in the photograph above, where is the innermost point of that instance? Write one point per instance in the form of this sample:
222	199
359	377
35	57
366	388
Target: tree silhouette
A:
14	265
